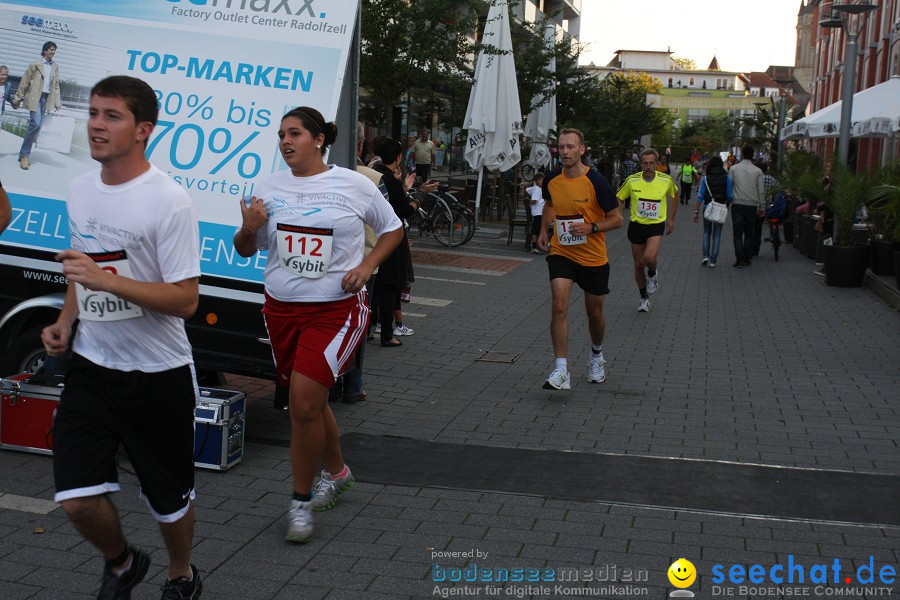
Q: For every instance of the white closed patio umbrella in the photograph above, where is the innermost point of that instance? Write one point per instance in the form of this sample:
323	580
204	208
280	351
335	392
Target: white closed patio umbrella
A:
494	116
542	119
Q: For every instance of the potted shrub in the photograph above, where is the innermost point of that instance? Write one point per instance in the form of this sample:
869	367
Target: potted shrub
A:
845	263
797	165
845	195
883	208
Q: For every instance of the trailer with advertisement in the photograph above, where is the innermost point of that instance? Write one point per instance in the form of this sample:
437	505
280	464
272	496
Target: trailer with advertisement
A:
224	72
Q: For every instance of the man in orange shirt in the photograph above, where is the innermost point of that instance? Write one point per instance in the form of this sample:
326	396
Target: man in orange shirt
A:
582	207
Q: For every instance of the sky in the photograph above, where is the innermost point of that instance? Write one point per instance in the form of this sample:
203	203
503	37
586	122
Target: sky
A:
745	36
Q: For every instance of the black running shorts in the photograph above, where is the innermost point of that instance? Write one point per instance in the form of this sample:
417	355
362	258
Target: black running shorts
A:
150	414
593	280
639	233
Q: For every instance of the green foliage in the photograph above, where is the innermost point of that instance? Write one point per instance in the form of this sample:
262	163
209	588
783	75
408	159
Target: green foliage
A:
687	64
709	135
794	165
423	44
883	204
616	112
844	194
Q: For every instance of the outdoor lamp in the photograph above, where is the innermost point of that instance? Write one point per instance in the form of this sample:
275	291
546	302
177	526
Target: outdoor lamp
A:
839	17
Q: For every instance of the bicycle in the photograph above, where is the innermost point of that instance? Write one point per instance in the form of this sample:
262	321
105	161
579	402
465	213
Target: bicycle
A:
774	214
450	222
775	236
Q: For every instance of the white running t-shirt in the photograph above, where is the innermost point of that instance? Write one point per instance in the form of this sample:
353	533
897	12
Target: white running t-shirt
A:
314	234
146	227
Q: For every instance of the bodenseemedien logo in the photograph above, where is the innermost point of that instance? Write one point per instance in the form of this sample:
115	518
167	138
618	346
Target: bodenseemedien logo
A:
682	574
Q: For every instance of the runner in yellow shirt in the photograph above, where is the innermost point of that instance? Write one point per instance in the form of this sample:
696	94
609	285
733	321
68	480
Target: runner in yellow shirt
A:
653	210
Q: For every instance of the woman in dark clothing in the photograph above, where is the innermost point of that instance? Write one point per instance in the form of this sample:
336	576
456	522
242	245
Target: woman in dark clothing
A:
716	184
396	271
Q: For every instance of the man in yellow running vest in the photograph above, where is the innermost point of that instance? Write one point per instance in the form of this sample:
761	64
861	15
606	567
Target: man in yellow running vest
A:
689	175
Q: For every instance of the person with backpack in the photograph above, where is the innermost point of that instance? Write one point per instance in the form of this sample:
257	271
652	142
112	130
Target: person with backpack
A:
716	186
689	174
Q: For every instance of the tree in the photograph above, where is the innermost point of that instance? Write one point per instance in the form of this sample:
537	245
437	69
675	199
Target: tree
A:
686	64
621	113
761	128
424	44
710	134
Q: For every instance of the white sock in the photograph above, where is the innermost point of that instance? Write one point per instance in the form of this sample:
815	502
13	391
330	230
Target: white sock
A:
562	364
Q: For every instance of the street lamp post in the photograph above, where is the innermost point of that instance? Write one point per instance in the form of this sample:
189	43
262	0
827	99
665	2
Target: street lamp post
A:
851	53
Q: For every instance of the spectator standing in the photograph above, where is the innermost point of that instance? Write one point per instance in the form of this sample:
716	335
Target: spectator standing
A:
769	185
396	268
536	200
424	154
716	184
748	206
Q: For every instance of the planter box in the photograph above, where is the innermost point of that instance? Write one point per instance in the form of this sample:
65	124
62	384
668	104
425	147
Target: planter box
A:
845	266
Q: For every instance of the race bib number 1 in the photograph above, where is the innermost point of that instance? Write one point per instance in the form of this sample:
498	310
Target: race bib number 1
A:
563	233
304	251
648	209
103	306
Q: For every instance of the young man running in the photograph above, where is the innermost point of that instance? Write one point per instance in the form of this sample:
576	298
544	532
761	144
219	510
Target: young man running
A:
653	208
133	273
582	207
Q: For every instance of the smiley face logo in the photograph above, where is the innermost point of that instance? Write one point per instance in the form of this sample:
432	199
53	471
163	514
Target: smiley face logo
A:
682	573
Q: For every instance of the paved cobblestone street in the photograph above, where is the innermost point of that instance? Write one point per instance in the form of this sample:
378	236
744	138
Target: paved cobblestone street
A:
762	365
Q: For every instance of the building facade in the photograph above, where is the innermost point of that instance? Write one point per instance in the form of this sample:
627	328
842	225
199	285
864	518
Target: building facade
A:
878	60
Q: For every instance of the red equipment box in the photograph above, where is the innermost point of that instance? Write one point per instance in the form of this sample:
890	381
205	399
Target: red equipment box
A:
27	407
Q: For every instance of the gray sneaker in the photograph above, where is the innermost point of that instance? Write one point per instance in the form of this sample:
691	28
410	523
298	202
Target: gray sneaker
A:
558	380
300	522
653	283
597	371
327	490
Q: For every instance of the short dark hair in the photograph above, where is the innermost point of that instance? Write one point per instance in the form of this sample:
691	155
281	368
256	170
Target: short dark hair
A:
137	94
47	46
572	130
388	150
748	151
314	122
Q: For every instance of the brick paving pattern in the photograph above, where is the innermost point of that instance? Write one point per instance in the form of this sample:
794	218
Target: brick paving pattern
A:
762	365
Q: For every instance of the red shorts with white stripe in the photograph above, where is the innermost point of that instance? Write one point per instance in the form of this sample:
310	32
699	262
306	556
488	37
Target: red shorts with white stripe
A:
316	339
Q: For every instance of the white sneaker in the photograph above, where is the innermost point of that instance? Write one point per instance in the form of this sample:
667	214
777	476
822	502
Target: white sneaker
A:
597	371
558	380
378	328
704	261
300	522
712	265
328	489
645	305
403	330
653	283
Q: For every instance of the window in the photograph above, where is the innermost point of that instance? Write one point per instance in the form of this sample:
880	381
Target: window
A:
670	81
691	82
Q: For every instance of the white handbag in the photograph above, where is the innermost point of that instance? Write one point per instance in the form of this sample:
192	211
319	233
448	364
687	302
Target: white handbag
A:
715	212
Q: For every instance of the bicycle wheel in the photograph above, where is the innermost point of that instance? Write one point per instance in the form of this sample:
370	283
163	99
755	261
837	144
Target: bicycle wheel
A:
442	223
776	239
463	226
527	172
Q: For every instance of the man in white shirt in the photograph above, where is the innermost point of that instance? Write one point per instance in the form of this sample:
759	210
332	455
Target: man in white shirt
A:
133	273
39	89
748	206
